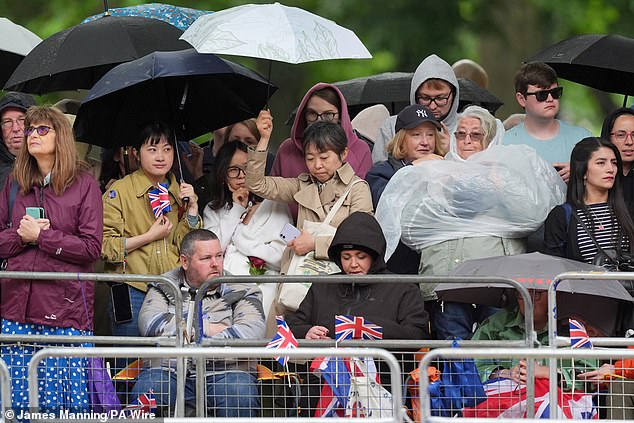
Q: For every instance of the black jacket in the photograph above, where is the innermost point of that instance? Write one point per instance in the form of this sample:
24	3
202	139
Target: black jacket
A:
6	163
398	308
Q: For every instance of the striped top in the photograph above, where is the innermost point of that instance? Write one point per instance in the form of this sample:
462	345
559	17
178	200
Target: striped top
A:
605	227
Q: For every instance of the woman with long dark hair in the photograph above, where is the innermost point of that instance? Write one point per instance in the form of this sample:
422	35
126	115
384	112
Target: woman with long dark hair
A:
594	198
247	225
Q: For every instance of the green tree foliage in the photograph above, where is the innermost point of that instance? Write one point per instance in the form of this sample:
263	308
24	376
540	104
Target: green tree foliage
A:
499	34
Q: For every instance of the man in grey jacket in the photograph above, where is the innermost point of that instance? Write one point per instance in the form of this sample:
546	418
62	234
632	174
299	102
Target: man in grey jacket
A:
228	311
12	109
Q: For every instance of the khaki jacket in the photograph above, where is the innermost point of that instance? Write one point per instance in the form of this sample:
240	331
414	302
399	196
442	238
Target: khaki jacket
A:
314	203
127	213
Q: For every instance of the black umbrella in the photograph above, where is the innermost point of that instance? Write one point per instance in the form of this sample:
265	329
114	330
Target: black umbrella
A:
77	57
392	89
194	93
604	62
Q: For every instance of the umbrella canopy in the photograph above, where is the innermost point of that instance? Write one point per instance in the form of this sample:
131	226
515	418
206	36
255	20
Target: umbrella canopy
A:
194	93
180	17
15	42
274	32
596	300
77	57
604	62
392	89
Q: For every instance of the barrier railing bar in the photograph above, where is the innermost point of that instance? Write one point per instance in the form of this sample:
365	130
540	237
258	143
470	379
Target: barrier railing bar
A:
508	353
5	385
552	313
232	353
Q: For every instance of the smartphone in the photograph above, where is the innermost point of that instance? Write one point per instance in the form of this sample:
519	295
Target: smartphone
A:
289	233
35	212
121	305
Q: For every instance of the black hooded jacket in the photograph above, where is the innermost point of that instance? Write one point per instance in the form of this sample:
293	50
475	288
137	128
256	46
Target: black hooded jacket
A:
398	308
6	163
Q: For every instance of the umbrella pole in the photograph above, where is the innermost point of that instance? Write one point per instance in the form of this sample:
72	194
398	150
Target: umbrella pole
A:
126	161
625	101
268	86
105	7
178	155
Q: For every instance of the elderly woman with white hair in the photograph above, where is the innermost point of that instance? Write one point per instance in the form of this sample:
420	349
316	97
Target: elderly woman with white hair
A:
481	201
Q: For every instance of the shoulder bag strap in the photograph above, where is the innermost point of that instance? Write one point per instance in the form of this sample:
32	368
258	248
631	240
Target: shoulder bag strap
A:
585	228
335	208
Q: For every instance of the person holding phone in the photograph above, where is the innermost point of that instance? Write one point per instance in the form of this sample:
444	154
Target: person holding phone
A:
55	225
325	149
247	226
145	219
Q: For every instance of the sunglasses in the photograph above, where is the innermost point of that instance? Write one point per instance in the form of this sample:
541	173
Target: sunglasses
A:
542	96
41	130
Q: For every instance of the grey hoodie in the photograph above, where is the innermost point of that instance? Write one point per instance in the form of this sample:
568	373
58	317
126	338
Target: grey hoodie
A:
432	67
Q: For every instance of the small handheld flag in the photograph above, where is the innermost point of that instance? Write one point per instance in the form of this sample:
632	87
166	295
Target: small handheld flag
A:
356	327
284	338
578	335
159	200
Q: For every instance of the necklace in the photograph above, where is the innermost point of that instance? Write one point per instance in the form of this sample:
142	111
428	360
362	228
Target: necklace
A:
601	226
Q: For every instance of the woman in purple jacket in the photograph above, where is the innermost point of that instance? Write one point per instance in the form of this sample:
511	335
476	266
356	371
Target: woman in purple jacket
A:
55	224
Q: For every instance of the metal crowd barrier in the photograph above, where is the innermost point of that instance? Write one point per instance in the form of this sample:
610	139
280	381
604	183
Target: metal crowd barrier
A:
107	277
232	353
529	354
5	386
552	307
179	341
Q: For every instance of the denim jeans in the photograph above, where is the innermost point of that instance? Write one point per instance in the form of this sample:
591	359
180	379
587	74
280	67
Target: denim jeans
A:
230	394
455	320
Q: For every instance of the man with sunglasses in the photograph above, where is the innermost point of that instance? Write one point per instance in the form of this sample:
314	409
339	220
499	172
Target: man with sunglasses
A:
12	109
435	86
538	92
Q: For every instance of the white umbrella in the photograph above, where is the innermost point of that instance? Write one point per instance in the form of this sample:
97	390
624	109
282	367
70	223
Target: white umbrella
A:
15	42
274	32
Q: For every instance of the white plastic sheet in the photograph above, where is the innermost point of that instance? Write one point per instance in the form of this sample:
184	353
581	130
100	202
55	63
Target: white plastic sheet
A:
504	191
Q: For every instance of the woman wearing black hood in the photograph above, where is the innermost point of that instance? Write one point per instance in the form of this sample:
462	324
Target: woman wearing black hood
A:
358	248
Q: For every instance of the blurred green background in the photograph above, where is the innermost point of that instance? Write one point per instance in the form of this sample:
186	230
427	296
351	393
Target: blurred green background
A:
499	34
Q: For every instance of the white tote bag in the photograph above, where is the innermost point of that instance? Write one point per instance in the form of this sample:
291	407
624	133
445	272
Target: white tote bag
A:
291	295
367	398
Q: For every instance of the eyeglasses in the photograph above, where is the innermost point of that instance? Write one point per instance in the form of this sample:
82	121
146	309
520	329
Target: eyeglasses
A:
475	136
542	96
235	171
41	130
621	136
313	116
426	100
8	123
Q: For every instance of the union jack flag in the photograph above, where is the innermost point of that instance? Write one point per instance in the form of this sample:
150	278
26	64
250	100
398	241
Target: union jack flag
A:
284	338
578	335
356	327
145	403
159	200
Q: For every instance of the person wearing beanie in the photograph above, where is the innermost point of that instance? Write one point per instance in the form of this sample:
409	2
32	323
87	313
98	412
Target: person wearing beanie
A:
12	110
358	248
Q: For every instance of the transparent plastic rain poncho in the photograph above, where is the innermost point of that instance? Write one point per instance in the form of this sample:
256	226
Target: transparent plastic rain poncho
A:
504	191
